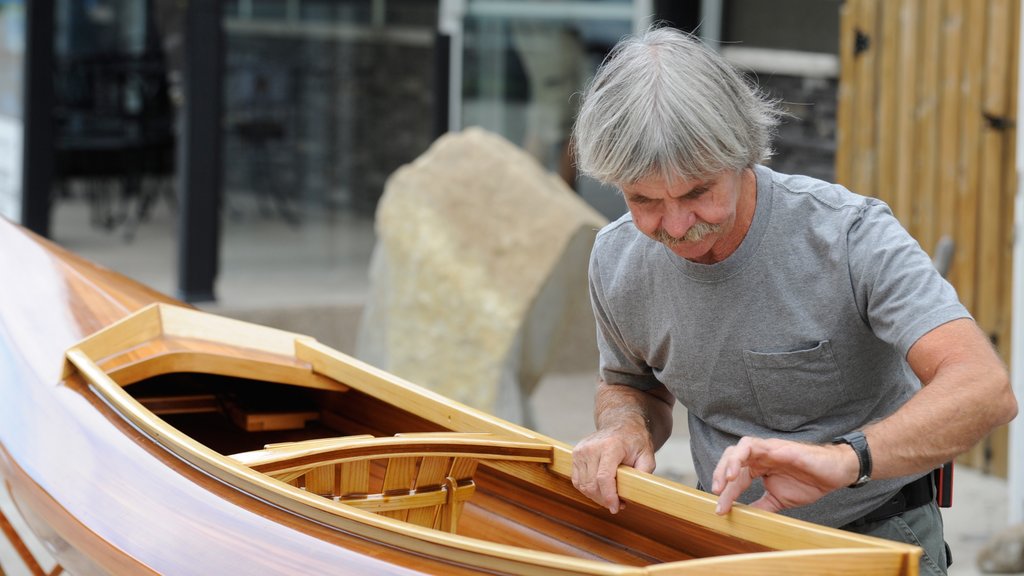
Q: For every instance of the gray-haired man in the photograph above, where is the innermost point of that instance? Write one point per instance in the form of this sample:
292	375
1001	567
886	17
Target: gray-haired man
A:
795	320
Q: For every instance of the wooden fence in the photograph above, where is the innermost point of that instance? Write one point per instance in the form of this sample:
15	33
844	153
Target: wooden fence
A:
927	123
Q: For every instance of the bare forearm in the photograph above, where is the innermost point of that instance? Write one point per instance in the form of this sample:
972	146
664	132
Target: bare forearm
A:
618	406
940	422
966	396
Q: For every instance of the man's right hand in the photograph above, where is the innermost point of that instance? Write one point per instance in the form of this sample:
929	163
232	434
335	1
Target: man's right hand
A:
597	457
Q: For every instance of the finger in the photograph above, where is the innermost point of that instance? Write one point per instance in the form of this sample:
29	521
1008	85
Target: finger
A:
607	492
579	467
729	466
583	472
732	490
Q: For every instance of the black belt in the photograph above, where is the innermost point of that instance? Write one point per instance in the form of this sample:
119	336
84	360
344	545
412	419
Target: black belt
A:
913	495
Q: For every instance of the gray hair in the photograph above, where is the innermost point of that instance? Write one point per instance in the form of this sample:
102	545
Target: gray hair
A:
664	103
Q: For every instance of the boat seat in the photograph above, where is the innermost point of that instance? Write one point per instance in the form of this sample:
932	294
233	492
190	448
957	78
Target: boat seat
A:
428	477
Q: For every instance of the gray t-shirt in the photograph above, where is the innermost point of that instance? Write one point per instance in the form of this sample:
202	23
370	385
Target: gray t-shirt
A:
801	333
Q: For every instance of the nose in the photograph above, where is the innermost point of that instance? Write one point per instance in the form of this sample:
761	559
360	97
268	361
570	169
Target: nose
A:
677	219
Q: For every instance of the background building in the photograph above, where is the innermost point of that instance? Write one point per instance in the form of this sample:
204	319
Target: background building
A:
320	100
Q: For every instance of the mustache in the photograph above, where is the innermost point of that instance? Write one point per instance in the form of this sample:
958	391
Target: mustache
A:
696	233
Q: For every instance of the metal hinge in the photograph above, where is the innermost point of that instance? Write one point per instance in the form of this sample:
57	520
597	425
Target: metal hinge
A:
998	122
861	42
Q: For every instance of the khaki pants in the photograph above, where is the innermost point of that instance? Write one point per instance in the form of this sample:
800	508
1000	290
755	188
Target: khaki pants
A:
922	527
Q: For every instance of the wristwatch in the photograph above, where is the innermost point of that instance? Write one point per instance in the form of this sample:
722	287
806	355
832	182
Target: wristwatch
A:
859	443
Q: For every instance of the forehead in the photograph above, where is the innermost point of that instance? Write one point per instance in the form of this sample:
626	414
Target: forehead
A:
658	186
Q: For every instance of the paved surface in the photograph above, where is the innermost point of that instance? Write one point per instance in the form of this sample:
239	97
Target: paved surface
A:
330	270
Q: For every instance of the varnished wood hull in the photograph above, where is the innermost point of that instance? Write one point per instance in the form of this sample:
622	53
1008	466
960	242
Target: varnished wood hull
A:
109	487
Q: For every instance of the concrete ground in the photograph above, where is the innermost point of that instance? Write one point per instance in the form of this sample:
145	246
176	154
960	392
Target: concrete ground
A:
319	271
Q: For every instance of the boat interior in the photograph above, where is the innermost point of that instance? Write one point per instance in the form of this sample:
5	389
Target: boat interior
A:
320	434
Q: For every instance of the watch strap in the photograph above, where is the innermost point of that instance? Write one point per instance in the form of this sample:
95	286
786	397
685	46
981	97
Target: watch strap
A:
859	443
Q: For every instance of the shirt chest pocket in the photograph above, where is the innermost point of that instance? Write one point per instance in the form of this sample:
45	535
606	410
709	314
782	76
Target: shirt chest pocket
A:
794	388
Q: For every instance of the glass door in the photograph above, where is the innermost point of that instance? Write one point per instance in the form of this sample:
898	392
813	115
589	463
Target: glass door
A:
517	67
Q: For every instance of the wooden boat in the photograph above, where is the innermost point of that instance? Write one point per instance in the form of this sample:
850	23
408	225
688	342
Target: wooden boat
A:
141	436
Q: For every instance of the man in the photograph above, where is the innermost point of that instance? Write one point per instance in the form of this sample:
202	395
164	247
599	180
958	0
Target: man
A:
795	320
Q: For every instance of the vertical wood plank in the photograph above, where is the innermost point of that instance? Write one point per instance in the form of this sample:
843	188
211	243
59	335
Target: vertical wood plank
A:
399	478
864	161
963	272
889	86
991	192
952	48
1009	185
926	126
845	104
1000	438
906	183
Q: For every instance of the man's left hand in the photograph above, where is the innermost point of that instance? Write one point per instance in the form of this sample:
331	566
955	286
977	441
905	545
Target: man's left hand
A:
794	474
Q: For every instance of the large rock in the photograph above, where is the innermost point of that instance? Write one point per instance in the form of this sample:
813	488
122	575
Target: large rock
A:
478	273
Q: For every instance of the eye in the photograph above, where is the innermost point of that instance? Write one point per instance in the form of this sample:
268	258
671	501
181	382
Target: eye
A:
640	200
699	191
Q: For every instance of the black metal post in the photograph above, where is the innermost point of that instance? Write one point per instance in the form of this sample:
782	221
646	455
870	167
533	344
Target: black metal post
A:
37	151
199	152
442	79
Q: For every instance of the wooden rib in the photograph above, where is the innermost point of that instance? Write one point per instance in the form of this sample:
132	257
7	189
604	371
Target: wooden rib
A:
461	485
432	474
320	480
398	479
354	478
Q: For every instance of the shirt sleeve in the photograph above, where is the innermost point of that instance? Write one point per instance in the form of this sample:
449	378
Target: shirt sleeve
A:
899	292
617	365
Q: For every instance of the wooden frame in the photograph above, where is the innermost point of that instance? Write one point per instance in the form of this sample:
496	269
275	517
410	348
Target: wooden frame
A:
161	338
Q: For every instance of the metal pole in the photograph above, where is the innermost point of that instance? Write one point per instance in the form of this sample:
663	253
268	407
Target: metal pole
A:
450	17
37	153
643	15
711	22
199	153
